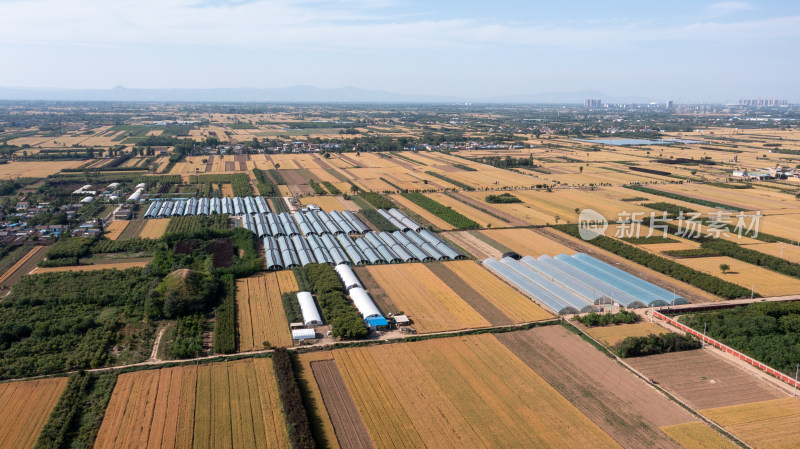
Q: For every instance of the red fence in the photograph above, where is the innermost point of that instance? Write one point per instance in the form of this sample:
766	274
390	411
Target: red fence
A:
728	349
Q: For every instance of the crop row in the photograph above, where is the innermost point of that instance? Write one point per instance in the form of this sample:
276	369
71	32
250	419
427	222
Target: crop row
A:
316	187
450	180
225	325
445	213
377	200
331	188
688	199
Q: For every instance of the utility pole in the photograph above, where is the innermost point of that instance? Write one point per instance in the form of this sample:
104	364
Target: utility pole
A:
704	334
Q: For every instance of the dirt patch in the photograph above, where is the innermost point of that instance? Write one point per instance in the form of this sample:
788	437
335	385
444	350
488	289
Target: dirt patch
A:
621	404
481	250
230	166
347	424
703	380
475	300
210	164
297	176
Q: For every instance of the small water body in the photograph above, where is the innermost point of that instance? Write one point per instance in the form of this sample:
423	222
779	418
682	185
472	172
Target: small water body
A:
630	142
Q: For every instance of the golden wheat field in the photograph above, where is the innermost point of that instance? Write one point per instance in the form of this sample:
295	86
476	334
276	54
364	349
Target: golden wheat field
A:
25	408
214	405
318	410
696	435
154	228
460	392
526	242
327	203
771	424
115	228
426	299
611	335
15	169
260	314
512	303
762	280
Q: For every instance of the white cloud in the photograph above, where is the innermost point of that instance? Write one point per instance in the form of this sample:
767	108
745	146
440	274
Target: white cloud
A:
720	9
337	25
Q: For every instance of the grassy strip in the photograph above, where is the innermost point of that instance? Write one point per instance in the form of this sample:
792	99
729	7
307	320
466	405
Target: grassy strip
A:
484	210
279	205
464	167
688	199
379	221
265	186
445	213
225	324
275	174
408	159
490	241
396	187
291	307
729	185
450	180
692	253
331	188
703	281
377	200
316	187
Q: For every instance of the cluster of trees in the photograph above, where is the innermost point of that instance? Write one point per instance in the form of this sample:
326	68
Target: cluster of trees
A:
731	249
450	180
300	436
596	319
240	184
225	324
672	210
68	251
506	162
644	240
445	213
688	199
502	198
655	344
196	226
71	247
704	281
291	307
188	342
276	175
316	187
768	331
377	200
464	167
692	253
344	318
72	326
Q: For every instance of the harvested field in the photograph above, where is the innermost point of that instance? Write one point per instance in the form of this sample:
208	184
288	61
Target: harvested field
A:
26	406
15	169
350	430
470	212
527	242
475	300
132	230
378	294
227	189
611	335
429	302
115	229
763	425
327	203
763	281
696	435
704	379
229	404
475	246
427	216
460	392
620	403
22	267
99	266
260	314
319	417
286	281
512	304
154	228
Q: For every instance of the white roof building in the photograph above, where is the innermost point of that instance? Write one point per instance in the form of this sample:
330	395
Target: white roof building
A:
303	334
364	303
348	277
309	309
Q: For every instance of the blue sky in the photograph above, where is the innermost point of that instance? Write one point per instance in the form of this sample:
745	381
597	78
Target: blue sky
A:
688	51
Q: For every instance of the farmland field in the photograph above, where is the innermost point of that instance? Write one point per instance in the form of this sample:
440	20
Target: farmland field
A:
697	435
328	203
620	403
460	392
216	405
260	314
762	280
43	169
427	216
704	379
526	242
470	242
315	406
428	302
350	430
771	424
154	228
132	230
25	408
611	335
22	267
106	265
116	228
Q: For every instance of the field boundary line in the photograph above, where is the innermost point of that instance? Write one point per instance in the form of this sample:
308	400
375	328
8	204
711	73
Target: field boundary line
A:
669	395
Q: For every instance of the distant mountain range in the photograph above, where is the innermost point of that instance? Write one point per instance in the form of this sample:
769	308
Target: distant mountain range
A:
294	94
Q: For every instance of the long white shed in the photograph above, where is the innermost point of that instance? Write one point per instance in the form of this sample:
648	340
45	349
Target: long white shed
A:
309	309
348	276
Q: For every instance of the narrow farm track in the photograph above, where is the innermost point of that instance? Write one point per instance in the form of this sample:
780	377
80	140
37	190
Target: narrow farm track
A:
154	352
347	424
21	268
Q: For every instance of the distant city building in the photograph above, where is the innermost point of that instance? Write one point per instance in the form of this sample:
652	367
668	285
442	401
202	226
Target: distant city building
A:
670	104
592	103
763	102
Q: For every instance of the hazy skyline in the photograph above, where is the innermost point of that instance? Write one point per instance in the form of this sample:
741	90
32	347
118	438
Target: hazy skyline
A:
683	50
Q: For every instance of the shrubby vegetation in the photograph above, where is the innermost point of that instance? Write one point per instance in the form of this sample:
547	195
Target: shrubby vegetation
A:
655	344
293	409
648	240
596	319
72	247
291	307
54	433
276	175
225	324
265	186
316	187
188	341
672	210
445	213
344	318
188	226
704	281
767	331
331	188
692	253
502	198
378	220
